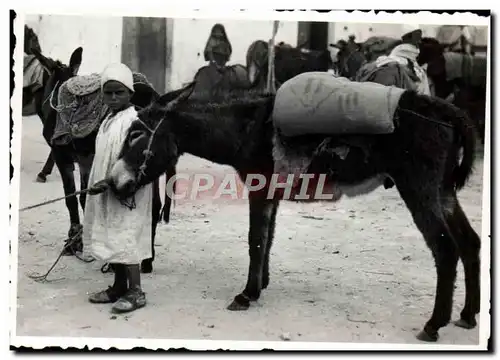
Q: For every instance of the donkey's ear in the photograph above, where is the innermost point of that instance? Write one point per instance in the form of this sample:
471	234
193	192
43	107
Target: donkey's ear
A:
165	99
187	90
183	95
76	60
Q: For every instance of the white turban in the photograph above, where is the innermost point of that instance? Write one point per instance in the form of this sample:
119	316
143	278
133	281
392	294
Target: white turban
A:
118	72
403	54
407	51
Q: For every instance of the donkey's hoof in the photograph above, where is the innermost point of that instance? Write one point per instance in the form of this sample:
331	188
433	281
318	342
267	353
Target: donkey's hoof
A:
265	282
425	336
72	248
67	251
240	303
41	178
147	266
466	324
74	230
74	243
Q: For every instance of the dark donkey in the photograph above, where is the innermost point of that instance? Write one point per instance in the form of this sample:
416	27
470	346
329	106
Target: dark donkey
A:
33	93
356	61
288	62
421	156
81	150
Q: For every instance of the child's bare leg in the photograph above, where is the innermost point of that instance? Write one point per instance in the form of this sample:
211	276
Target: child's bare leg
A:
135	297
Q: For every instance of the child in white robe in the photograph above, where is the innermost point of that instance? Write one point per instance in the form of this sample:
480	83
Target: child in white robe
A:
113	232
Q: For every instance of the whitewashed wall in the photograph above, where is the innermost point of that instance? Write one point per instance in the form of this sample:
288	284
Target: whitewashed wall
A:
190	37
363	31
342	31
59	35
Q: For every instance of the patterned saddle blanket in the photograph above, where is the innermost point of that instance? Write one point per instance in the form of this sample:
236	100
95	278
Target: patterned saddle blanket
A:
81	108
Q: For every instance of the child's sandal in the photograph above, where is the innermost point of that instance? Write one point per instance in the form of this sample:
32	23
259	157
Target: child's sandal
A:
132	300
108	296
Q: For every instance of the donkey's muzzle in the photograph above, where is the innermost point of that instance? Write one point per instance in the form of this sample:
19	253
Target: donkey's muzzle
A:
123	180
129	187
125	191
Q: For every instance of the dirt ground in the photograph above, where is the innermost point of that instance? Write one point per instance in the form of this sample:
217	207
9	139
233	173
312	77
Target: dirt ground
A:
355	271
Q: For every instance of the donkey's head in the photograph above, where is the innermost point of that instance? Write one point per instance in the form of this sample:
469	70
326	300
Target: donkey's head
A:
58	73
59	70
430	50
432	54
150	146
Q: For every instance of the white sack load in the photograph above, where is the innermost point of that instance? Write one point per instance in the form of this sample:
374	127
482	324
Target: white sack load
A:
319	103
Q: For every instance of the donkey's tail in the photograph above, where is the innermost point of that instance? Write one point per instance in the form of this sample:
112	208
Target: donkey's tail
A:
465	139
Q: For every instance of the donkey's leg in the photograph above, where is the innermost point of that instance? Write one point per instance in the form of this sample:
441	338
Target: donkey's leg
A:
167	204
469	245
147	264
85	165
261	211
49	164
428	216
47	169
445	255
64	163
270	238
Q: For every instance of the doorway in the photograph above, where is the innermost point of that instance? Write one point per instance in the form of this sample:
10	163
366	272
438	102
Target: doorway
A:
144	48
313	35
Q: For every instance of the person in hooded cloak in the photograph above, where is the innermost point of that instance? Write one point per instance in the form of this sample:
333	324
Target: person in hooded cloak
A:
218	49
